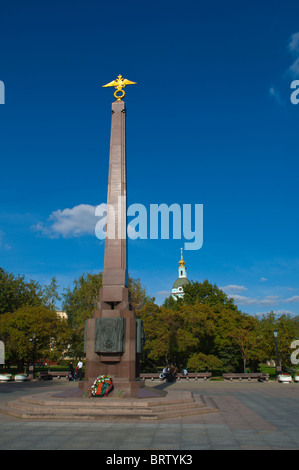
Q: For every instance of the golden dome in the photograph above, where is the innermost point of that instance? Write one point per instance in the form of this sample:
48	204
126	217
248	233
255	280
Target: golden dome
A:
182	262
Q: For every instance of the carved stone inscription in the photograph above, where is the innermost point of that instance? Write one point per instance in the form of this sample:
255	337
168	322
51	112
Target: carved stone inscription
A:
110	335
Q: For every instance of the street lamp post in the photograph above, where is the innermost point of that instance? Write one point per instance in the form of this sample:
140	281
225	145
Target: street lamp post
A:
278	366
33	340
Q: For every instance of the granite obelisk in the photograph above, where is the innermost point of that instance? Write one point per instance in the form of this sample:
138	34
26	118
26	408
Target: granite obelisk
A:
111	334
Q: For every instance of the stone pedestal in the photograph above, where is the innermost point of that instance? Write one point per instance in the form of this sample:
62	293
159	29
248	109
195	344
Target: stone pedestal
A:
111	349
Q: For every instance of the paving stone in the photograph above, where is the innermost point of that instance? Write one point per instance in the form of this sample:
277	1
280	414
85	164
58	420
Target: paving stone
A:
251	416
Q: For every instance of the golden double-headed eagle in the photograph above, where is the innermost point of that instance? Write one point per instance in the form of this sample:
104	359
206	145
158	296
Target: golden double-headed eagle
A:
119	84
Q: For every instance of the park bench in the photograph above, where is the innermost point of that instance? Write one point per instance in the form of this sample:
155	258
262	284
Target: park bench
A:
195	376
178	376
48	375
258	376
150	376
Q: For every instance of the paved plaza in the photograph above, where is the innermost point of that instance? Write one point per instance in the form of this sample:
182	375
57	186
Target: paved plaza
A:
251	416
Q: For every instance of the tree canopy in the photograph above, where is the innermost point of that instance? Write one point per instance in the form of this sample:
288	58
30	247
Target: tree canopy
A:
207	293
16	291
203	330
18	329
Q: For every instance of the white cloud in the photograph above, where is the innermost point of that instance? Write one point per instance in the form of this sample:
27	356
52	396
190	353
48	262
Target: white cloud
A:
274	93
295	298
268	300
293	45
263	279
75	222
294	69
231	288
3	245
164	293
242	300
278	313
234	290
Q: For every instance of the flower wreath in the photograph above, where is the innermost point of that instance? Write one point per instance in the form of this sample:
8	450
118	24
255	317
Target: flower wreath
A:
101	386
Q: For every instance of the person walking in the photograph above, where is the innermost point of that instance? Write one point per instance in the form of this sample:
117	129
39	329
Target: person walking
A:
79	370
71	370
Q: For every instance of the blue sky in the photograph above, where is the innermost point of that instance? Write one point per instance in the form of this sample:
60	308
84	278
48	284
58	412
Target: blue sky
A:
210	122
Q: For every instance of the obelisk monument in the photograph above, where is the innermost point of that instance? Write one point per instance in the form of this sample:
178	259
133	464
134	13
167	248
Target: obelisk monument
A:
111	334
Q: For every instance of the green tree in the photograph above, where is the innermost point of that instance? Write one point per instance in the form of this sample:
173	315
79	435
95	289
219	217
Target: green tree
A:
224	347
138	295
199	361
79	304
286	329
172	304
295	320
80	301
50	295
16	292
244	336
160	326
205	292
173	336
206	329
18	328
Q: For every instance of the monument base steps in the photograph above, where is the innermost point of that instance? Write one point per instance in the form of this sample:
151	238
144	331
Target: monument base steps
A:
174	405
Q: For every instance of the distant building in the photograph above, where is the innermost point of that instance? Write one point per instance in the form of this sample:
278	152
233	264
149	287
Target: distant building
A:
62	314
182	281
